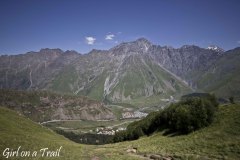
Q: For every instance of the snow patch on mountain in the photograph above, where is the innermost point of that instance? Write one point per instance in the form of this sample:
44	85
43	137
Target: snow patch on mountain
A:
215	48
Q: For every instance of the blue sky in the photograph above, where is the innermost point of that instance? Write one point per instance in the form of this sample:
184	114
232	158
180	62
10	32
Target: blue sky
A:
81	25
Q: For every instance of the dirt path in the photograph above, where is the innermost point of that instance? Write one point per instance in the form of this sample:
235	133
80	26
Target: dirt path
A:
58	121
120	124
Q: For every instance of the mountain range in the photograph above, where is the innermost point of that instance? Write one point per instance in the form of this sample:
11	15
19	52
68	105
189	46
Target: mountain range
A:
137	72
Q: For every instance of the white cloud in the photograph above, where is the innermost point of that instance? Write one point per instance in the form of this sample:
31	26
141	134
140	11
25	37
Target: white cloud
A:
109	37
238	42
90	40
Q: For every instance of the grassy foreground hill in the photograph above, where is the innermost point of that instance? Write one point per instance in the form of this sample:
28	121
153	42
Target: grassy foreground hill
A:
16	130
221	140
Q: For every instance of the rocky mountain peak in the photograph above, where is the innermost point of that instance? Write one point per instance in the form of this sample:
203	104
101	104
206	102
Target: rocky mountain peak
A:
138	46
142	40
215	48
143	43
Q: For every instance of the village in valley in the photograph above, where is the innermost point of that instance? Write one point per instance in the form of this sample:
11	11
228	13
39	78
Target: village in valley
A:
127	114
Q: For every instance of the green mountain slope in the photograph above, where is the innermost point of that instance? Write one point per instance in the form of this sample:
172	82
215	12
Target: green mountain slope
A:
33	70
43	106
129	77
223	78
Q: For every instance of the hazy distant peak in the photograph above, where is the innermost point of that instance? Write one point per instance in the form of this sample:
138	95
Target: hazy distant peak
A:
95	51
51	50
188	46
71	51
168	47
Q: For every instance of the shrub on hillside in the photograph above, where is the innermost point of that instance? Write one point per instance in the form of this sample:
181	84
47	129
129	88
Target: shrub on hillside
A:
231	99
188	115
